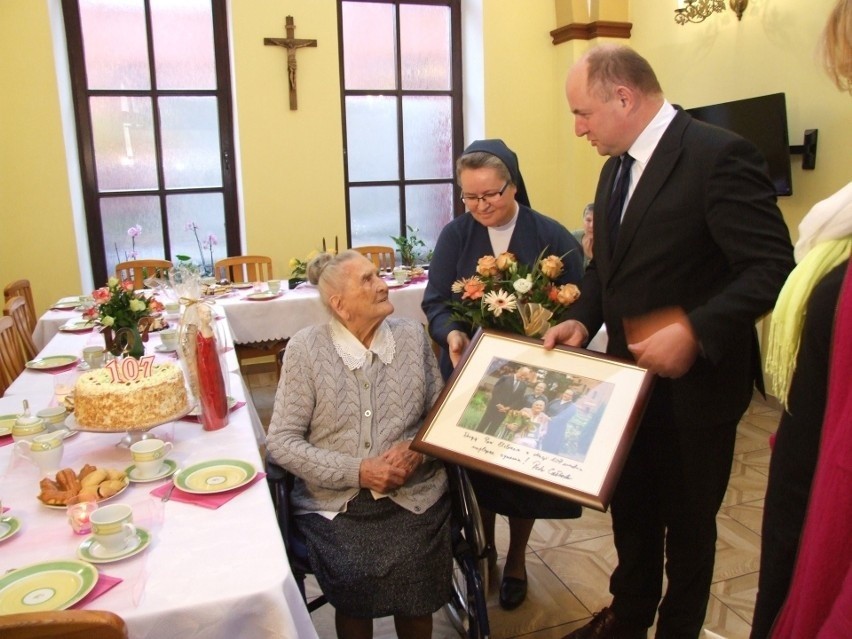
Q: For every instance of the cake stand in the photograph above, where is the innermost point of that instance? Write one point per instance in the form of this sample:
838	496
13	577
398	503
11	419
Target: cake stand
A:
132	434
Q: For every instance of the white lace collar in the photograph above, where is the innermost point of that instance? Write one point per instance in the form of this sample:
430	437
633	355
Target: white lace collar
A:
353	353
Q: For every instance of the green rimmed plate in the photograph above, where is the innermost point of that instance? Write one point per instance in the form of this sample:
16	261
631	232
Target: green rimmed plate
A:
8	527
91	551
50	585
80	326
52	362
66	305
215	476
6	423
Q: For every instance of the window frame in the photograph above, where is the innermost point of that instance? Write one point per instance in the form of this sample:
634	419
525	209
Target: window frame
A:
455	93
85	136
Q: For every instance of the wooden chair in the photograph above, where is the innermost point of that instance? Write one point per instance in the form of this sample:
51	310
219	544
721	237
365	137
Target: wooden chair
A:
244	268
384	257
139	270
68	624
16	308
12	362
22	288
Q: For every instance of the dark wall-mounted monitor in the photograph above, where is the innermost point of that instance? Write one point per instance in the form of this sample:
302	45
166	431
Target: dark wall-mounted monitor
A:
763	121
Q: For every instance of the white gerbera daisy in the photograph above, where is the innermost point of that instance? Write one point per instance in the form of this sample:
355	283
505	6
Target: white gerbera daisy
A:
499	301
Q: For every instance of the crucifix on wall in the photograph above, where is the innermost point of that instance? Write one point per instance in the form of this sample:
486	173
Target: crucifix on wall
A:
291	43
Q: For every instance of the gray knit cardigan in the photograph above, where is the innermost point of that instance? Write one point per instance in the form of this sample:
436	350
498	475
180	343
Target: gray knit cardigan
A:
327	418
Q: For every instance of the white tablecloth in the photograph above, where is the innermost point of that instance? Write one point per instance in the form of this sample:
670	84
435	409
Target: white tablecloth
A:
282	317
211	574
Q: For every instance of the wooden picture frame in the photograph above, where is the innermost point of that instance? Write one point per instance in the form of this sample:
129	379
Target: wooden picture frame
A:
577	454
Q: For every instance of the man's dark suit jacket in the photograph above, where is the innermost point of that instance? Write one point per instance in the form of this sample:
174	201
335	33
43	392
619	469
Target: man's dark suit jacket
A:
503	392
701	232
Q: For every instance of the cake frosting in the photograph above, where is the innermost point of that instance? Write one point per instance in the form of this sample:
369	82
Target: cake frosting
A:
103	404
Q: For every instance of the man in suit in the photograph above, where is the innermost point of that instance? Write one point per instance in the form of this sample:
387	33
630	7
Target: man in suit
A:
508	392
689	248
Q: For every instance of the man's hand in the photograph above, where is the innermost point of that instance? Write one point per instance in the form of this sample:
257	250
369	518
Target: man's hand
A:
376	473
669	352
457	341
569	332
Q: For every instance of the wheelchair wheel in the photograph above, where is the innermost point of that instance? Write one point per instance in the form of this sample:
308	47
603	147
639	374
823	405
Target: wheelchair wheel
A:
467	609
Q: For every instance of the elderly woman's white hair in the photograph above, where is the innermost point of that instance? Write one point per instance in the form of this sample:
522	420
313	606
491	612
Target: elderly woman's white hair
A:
325	271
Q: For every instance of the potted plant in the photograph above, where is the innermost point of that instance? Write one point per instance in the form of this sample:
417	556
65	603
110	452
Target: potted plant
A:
409	246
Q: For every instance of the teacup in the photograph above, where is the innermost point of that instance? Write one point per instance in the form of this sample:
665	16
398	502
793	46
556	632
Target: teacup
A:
400	275
94	356
53	415
148	456
112	526
26	427
274	286
169	338
45	451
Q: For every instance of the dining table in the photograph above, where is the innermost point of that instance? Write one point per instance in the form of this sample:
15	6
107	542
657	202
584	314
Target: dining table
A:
213	566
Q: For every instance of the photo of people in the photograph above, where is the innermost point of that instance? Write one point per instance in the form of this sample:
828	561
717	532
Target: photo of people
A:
537	408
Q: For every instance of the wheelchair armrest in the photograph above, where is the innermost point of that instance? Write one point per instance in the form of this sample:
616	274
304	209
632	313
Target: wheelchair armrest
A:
281	482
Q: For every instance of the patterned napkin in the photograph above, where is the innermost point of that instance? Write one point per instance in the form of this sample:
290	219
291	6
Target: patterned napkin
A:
212	501
105	584
197	418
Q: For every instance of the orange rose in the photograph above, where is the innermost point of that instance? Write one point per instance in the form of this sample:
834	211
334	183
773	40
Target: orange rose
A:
567	294
506	260
487	266
551	266
474	288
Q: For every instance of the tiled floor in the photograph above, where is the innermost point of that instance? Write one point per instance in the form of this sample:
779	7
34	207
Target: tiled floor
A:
570	561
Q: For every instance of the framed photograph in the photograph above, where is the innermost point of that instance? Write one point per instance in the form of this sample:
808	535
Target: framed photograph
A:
559	421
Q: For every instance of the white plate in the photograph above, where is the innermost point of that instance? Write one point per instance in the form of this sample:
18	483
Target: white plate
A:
50	585
262	297
77	327
52	362
215	476
242	285
92	551
8	527
69	305
169	467
394	284
162	348
99	501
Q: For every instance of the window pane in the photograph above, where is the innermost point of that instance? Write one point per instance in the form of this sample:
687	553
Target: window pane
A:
427	124
374	214
116	51
118	216
371	138
190	138
183	44
124	143
428	208
425	47
368	39
205	212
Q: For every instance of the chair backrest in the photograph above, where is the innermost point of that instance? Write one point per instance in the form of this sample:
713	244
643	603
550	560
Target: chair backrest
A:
139	270
12	361
383	257
68	624
244	268
22	288
16	308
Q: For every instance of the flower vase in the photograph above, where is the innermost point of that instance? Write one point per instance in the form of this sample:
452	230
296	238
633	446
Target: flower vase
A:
124	340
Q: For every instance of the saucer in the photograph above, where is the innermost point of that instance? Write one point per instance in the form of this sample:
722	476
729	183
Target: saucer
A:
8	527
168	468
162	348
93	552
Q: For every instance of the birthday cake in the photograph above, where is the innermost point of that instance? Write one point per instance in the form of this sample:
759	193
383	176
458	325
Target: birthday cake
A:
102	403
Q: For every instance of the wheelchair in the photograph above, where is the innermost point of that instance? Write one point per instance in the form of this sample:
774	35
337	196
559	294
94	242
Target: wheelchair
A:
467	609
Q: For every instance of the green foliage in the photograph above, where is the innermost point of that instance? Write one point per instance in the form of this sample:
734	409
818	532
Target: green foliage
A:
409	246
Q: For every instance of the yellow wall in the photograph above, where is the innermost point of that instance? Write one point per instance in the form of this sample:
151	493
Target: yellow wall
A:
290	161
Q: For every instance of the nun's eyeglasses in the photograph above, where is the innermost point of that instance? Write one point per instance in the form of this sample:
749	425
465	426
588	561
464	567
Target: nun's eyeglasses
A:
490	198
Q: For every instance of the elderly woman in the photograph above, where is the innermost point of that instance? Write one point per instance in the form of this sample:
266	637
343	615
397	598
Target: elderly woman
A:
500	219
353	393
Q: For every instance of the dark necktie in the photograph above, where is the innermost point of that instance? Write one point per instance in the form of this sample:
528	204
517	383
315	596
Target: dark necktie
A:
617	199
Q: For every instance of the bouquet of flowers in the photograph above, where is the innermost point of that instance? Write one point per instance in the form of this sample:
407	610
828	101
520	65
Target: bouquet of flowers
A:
118	305
510	296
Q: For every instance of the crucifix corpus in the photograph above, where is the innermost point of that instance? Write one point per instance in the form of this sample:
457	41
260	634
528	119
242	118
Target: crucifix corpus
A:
291	44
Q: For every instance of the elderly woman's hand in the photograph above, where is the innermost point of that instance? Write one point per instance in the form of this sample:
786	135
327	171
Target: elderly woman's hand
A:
376	473
401	456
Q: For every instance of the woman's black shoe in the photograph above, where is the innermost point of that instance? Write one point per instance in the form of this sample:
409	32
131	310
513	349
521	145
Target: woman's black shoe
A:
513	591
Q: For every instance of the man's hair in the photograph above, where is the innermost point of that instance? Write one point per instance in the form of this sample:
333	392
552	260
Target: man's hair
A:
613	65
